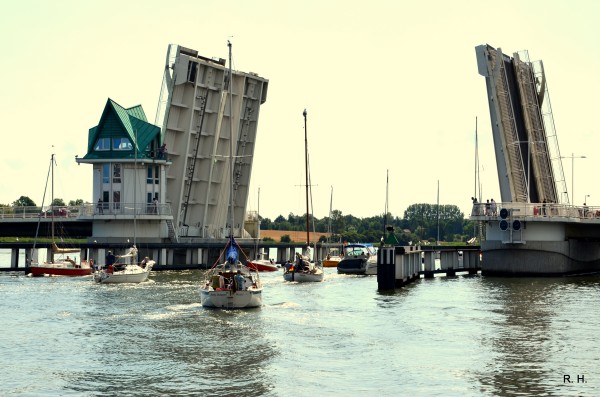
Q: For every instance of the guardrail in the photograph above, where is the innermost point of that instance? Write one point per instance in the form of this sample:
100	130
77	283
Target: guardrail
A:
84	210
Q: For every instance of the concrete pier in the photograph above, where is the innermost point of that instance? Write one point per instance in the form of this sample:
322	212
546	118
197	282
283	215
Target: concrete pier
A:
398	266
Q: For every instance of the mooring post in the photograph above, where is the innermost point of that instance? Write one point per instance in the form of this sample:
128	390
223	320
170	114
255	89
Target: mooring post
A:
386	268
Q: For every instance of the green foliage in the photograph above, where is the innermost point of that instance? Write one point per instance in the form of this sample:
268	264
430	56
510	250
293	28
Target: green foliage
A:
58	202
75	203
420	223
267	239
23	201
286	238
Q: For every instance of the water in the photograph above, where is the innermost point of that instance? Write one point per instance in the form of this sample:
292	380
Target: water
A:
461	336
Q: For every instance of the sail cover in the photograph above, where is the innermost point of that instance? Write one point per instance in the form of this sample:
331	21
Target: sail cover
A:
232	253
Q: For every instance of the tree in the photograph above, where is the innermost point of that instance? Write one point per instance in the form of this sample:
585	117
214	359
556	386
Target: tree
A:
286	238
23	201
75	203
58	202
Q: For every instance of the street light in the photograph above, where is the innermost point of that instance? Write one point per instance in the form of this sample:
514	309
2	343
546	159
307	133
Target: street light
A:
573	157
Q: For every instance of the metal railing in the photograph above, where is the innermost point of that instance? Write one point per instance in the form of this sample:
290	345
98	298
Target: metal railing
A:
484	211
85	210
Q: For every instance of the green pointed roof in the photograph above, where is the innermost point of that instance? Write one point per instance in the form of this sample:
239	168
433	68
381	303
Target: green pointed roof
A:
119	122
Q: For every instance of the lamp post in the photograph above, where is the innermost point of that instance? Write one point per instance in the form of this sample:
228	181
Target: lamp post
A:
573	157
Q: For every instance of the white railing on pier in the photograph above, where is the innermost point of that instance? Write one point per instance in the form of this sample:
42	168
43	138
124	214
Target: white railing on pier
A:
485	211
85	210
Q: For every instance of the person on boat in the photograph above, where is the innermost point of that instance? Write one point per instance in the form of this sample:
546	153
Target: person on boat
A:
239	281
110	259
144	262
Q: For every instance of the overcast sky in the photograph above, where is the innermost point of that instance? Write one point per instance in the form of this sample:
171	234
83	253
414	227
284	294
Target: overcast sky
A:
388	85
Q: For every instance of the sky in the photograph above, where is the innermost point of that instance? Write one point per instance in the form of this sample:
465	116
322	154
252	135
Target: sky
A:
390	88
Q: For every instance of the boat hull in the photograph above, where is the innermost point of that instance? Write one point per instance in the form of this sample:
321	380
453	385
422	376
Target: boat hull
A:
304	277
229	299
37	271
331	262
357	266
260	266
131	274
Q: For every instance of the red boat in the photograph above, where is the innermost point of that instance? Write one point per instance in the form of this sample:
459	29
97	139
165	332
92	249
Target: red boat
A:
60	269
263	265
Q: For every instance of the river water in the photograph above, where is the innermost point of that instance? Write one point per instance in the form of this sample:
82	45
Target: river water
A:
458	336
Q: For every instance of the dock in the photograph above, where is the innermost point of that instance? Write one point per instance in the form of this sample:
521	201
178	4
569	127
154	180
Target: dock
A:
400	265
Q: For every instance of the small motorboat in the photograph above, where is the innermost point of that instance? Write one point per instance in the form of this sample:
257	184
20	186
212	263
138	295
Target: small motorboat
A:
332	259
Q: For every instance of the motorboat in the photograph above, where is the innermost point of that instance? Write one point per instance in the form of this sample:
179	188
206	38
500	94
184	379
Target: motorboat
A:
358	259
332	259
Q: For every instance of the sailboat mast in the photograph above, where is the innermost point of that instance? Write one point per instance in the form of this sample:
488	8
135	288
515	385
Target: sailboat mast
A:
135	184
306	172
52	195
230	84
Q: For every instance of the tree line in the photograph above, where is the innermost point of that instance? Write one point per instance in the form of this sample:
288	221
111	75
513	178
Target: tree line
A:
421	222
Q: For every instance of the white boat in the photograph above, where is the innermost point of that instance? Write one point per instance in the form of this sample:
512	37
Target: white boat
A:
303	270
60	264
358	259
125	269
231	284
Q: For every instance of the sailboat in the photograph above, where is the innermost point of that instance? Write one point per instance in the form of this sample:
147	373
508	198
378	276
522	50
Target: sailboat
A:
333	255
261	263
126	268
231	284
303	270
60	264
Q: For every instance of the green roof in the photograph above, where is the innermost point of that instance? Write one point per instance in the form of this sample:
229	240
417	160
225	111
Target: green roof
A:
119	122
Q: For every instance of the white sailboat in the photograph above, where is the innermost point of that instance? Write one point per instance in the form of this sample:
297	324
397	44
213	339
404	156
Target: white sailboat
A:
303	270
126	268
231	284
333	254
59	264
